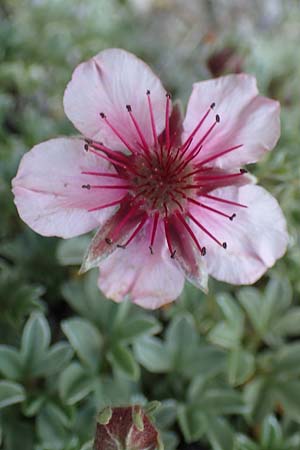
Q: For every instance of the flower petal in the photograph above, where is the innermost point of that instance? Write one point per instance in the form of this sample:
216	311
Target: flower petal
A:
107	83
175	126
255	239
150	280
102	245
245	118
188	255
48	189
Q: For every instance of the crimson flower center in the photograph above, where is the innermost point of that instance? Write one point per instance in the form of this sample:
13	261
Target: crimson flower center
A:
161	181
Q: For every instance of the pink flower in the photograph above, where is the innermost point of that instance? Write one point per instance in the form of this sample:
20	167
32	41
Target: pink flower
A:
169	197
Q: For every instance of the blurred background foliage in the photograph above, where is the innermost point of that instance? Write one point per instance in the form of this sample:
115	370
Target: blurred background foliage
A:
226	367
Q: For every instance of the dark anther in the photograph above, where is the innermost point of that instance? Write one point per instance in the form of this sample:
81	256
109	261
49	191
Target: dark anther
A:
121	246
224	245
203	251
102	115
232	217
148	92
173	254
108	241
217	118
243	171
168	95
212	105
128	107
151	250
86	186
86	147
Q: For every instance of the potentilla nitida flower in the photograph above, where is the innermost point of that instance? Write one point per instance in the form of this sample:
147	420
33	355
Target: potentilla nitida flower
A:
170	197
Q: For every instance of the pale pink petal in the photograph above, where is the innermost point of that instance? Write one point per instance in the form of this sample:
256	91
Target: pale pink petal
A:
48	188
245	118
150	280
255	239
107	83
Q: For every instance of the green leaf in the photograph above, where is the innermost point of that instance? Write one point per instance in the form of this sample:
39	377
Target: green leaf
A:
288	393
11	393
152	354
181	341
208	361
219	433
121	358
228	333
57	358
244	443
271	434
226	336
10	362
32	406
86	341
192	422
87	446
288	324
250	299
50	426
71	251
135	327
287	360
170	440
230	309
259	396
277	297
221	401
166	413
35	343
241	366
74	384
84	296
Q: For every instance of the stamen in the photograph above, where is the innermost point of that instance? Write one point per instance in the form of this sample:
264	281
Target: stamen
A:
107	205
152	119
115	131
168	122
176	201
153	233
205	230
198	126
212	177
221	213
192	155
220	177
123	222
113	153
138	129
217	120
217	155
106	186
108	159
190	231
168	238
222	200
136	231
103	174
